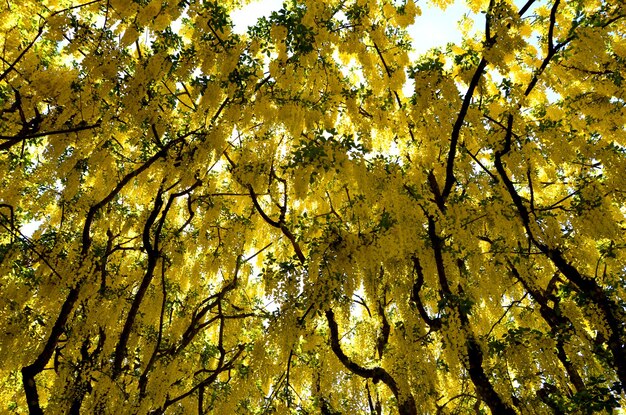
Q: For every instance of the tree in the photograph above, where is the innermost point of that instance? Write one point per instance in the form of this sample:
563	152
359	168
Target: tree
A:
304	219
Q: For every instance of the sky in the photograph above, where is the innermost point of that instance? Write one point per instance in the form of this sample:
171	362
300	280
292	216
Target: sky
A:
434	28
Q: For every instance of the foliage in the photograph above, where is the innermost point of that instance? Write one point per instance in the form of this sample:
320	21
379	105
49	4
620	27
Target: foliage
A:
308	218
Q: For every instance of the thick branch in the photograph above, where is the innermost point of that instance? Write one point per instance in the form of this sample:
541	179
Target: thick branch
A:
29	372
474	353
385	329
437	245
482	383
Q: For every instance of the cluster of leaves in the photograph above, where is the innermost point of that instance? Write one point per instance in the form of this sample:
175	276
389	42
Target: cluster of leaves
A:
307	218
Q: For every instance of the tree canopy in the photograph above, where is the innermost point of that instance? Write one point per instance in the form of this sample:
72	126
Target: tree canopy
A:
308	217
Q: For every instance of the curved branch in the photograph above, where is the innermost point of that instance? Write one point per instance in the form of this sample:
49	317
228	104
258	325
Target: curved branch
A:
385	329
277	224
406	403
209	380
456	129
610	310
467	99
433	323
86	237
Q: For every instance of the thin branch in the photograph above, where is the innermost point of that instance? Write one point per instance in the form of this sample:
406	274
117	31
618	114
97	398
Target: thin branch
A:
21	55
458	124
258	252
11	141
209	380
506	311
280	225
143	379
31	245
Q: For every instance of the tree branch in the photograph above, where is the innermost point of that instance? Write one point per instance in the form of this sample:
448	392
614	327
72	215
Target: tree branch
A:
406	404
153	255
